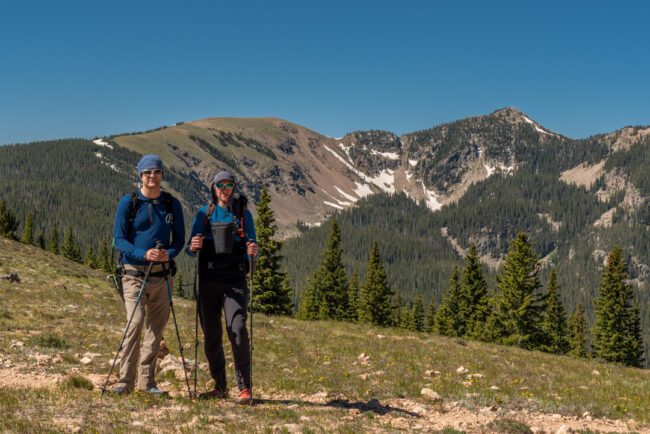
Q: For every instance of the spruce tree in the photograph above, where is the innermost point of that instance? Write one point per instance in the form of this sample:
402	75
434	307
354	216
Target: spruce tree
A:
69	249
554	325
53	246
287	288
616	320
269	294
8	222
635	347
91	258
104	257
430	317
447	320
353	296
398	311
327	291
375	292
417	314
519	302
578	333
406	318
40	240
28	230
474	308
179	290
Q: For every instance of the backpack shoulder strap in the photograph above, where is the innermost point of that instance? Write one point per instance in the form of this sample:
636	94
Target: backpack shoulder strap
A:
133	205
240	210
169	206
208	212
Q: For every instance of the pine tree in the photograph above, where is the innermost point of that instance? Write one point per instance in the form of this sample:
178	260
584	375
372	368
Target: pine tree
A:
635	347
375	292
519	303
91	258
578	333
396	320
179	290
447	320
104	257
406	318
53	246
40	240
554	325
353	296
28	230
429	319
616	320
327	292
69	249
474	309
269	294
8	222
287	288
417	314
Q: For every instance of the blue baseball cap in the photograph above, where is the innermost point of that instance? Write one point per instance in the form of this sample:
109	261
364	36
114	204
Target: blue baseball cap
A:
149	161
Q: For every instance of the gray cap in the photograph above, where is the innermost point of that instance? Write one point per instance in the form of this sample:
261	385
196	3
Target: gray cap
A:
224	174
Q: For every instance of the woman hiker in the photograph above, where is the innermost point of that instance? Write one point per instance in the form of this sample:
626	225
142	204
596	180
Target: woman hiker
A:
224	231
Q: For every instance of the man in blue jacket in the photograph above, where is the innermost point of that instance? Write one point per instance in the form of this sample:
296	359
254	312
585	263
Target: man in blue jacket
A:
142	219
226	237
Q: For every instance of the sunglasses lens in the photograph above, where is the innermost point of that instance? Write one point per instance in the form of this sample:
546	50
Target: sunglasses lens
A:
227	185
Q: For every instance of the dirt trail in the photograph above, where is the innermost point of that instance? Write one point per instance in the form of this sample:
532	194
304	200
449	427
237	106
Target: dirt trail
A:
400	414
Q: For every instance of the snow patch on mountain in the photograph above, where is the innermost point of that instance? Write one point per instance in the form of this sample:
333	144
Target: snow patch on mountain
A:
413	162
347	196
384	180
333	205
490	170
100	142
389	155
537	128
362	190
431	199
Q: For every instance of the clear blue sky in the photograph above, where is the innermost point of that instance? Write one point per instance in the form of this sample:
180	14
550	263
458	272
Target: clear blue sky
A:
85	68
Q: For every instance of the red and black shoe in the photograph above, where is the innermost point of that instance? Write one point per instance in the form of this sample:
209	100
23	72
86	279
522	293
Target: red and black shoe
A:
245	397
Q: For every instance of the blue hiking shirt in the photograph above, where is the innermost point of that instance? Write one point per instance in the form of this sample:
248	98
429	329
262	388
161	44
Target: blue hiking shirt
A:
148	226
221	214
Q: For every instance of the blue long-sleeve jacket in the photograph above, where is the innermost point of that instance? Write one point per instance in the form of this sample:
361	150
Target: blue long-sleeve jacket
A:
221	214
148	226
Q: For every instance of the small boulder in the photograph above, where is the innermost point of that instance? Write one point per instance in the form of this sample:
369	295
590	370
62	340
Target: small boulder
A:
462	370
494	388
470	376
86	361
430	394
564	429
595	373
363	357
537	430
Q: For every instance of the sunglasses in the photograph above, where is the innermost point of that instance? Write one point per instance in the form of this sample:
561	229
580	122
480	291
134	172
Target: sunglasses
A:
152	172
227	185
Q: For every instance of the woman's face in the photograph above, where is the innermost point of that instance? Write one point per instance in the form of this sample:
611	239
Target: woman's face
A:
223	190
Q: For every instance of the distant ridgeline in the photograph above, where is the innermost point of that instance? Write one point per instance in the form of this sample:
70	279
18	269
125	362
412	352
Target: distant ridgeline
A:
488	178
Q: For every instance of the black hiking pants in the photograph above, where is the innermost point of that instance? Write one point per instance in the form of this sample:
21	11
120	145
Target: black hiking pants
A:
232	298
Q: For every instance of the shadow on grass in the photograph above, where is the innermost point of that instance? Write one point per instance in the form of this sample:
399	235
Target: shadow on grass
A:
371	406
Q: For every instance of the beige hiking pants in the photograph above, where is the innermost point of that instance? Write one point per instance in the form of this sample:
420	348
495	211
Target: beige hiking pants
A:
152	313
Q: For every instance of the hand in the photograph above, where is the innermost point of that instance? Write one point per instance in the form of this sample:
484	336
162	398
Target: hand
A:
196	243
157	255
252	249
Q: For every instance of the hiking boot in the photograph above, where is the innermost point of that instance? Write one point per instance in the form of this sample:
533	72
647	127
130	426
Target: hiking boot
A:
154	391
245	397
213	394
117	391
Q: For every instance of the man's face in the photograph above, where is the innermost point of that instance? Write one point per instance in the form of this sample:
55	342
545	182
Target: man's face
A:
223	189
151	178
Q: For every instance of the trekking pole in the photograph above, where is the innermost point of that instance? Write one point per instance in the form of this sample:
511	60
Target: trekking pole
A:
178	336
250	303
128	324
197	294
